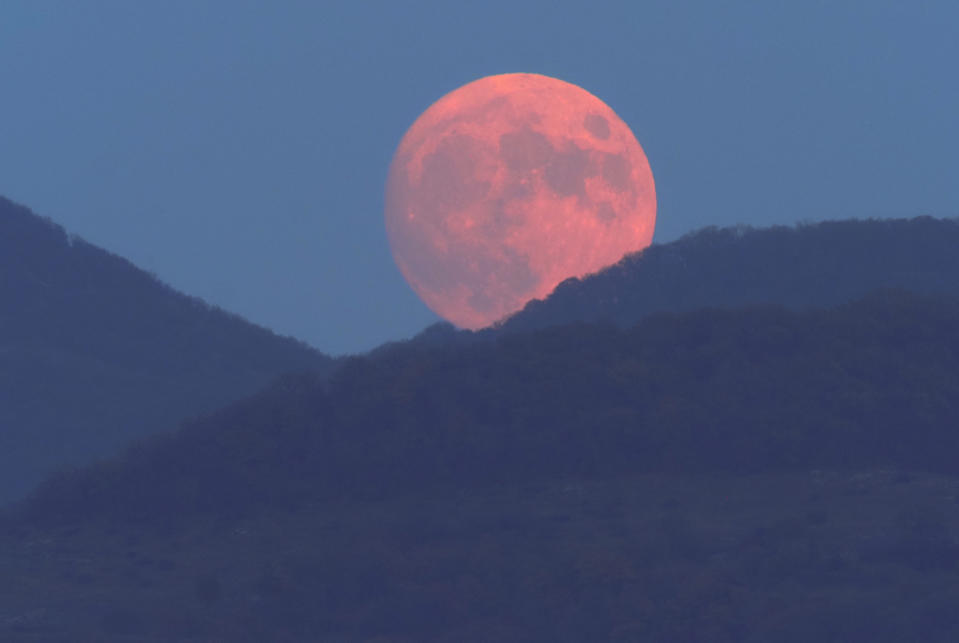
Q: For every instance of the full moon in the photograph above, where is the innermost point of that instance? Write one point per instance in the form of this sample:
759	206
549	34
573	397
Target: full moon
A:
509	185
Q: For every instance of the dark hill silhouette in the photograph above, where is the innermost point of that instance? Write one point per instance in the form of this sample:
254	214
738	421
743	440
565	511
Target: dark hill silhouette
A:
874	383
822	264
727	475
95	352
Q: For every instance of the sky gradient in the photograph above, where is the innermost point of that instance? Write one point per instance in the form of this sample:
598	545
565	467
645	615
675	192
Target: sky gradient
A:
239	150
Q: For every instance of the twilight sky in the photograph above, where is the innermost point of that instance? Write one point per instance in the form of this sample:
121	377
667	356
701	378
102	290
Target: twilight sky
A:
239	149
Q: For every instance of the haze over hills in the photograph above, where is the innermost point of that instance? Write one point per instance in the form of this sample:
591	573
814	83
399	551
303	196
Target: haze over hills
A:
95	352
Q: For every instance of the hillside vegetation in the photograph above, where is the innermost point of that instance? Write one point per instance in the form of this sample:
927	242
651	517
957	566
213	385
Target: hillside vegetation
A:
860	556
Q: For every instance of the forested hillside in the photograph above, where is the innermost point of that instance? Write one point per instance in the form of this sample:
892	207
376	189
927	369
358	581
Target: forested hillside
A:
95	352
821	264
723	475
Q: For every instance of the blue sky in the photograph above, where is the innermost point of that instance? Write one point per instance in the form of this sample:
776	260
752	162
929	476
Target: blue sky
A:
238	150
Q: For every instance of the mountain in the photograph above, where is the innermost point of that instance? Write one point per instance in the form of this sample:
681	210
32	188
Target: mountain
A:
726	475
95	352
821	264
719	453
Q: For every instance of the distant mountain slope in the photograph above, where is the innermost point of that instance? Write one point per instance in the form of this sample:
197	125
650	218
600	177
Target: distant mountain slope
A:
875	383
821	264
95	352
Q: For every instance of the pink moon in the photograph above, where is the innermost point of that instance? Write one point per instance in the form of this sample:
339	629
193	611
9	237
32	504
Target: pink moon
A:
509	185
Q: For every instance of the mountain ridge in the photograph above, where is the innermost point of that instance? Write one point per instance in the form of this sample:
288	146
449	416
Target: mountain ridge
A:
813	264
801	266
95	352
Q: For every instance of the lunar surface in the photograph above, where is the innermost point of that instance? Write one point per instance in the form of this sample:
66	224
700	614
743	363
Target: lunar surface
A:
509	185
